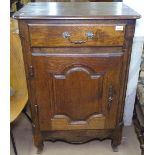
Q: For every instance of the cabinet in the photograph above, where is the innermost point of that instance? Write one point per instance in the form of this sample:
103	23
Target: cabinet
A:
76	59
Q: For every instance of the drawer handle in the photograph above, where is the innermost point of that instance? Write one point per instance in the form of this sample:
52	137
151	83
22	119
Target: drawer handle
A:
89	35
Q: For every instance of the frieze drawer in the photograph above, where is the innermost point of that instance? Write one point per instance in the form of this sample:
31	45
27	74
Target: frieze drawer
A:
62	35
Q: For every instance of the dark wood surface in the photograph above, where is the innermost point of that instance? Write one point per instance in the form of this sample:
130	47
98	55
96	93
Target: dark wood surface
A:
72	10
103	35
84	103
77	92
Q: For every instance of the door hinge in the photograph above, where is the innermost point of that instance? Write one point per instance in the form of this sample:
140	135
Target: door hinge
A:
31	72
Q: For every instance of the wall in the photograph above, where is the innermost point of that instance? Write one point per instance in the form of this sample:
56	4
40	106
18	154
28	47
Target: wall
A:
137	48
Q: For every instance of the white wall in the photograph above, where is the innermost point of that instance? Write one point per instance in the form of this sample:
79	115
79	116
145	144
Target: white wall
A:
138	6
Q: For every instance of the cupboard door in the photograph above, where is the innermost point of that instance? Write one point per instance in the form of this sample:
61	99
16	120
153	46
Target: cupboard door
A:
77	91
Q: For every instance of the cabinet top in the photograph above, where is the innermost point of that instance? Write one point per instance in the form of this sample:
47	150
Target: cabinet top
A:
76	10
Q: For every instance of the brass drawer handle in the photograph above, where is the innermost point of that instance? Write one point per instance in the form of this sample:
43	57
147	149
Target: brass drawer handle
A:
89	35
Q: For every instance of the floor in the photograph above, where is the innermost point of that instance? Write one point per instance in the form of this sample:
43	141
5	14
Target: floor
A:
24	143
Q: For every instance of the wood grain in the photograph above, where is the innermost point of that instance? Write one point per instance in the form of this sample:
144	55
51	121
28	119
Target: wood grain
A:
80	85
78	10
61	122
77	92
104	35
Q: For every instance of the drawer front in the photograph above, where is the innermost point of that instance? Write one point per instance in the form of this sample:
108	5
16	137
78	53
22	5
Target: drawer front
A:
47	35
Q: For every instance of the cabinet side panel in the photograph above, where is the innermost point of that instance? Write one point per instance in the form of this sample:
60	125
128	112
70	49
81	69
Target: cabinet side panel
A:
24	36
127	48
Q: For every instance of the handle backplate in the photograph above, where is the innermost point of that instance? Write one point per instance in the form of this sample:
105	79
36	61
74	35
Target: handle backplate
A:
89	35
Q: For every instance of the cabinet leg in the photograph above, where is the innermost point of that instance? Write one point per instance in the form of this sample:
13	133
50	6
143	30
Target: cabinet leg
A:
114	146
38	142
116	138
39	145
40	148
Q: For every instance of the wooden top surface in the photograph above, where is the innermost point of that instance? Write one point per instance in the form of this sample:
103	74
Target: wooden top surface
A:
76	10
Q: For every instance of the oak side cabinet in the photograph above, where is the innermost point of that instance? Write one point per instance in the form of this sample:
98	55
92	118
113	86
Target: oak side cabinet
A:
76	57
